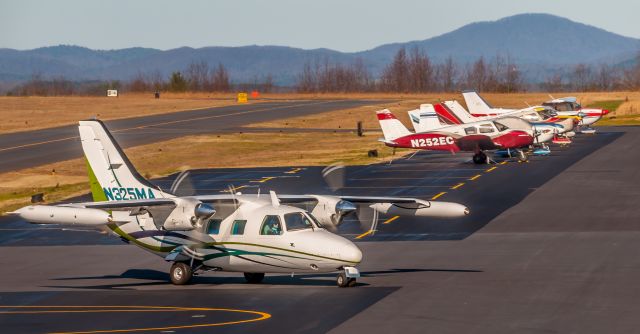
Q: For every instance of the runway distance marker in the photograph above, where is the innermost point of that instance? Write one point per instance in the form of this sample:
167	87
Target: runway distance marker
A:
391	219
490	169
438	195
475	177
32	309
458	185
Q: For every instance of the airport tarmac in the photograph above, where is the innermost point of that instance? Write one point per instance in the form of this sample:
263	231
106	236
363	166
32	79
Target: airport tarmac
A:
550	246
34	148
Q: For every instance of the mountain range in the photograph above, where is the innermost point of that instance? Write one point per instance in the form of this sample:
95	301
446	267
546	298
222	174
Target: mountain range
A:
533	41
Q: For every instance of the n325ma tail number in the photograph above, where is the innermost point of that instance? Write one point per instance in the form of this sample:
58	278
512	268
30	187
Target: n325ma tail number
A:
430	142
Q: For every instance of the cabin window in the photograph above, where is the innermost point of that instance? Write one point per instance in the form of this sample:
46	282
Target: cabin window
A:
297	221
471	130
213	227
500	126
486	128
238	227
271	226
315	221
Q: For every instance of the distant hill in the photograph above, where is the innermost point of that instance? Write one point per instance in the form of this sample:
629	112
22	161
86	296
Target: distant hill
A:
531	40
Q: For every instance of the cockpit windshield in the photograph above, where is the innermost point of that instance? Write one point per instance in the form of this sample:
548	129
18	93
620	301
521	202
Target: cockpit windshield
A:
501	127
297	221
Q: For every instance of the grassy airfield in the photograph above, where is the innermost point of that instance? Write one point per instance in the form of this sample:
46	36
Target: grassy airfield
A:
68	178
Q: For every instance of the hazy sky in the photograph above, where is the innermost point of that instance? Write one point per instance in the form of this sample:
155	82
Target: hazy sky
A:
345	25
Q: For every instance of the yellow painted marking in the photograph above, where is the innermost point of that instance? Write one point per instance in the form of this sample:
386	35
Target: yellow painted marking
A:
293	171
172	122
101	309
475	177
490	169
458	185
364	234
438	195
504	162
264	179
391	219
234	189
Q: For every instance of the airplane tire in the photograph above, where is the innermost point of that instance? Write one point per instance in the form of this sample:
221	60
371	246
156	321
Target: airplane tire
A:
480	158
254	278
351	283
180	273
523	157
342	280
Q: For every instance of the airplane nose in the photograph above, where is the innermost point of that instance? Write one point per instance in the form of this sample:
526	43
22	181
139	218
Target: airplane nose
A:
351	253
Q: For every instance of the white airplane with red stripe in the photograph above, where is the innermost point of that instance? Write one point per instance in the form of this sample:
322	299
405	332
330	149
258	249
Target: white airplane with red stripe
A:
452	112
507	133
564	107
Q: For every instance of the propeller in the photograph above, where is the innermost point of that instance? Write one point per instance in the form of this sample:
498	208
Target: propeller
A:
183	185
334	176
368	218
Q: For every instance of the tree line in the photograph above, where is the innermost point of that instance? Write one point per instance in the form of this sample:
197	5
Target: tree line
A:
410	71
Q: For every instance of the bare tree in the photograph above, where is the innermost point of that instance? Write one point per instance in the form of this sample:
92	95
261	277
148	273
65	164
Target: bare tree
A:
220	79
139	83
197	75
447	73
581	77
477	75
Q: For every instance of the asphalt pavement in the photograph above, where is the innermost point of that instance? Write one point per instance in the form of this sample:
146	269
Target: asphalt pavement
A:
550	246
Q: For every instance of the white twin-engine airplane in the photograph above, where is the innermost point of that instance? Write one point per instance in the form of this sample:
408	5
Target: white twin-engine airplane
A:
252	234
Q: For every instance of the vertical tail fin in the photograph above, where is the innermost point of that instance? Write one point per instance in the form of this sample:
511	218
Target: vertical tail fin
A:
425	119
477	105
458	110
392	128
111	174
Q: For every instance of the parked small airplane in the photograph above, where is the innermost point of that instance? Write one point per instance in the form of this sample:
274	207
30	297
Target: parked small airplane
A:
253	234
570	106
564	108
507	133
451	112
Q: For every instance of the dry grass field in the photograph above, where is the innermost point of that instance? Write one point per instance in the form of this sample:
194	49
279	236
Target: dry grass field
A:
265	149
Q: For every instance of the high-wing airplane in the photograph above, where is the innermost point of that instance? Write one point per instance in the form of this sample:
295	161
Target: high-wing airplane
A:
252	234
451	112
507	133
564	108
570	106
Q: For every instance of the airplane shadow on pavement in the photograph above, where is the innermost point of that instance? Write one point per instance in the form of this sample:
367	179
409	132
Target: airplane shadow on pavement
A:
151	277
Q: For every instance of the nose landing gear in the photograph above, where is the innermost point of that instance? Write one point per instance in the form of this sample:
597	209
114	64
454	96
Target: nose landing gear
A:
347	278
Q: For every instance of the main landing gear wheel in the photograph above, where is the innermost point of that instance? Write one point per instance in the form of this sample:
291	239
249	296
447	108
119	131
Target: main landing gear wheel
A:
522	156
480	158
343	281
180	273
254	278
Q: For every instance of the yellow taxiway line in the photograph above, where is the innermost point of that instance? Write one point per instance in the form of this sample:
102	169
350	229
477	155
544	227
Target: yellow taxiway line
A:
438	195
458	185
32	309
391	219
490	169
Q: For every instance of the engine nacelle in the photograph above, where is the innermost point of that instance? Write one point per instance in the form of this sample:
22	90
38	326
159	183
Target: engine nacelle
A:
423	209
188	215
45	214
331	210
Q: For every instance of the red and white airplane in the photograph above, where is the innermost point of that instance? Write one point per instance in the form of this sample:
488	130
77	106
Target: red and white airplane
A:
507	133
452	112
